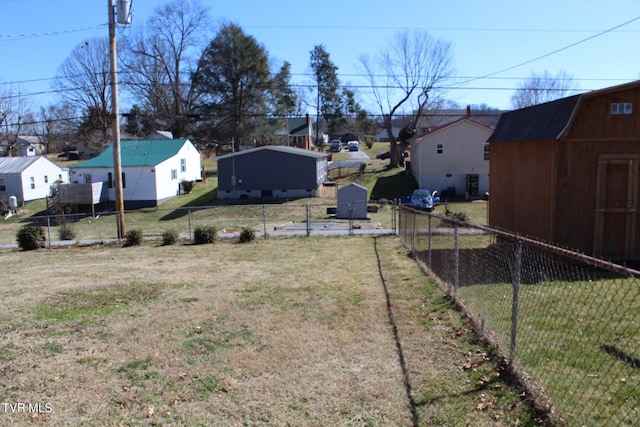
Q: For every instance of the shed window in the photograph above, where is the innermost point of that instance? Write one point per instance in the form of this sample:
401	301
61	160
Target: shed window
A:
183	165
439	148
486	151
621	108
3	187
174	174
33	183
46	179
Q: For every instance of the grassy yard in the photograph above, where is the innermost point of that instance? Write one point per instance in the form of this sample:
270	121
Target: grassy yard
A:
315	331
184	212
577	339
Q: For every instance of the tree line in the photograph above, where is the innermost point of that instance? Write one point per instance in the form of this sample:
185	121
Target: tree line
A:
226	88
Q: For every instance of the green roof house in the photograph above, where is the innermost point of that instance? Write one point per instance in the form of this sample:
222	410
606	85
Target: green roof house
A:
152	170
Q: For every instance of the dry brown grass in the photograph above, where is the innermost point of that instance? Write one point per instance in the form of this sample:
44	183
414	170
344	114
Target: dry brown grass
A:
277	332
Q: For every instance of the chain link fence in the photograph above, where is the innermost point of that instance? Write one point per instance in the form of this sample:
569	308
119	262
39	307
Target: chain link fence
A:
568	325
306	219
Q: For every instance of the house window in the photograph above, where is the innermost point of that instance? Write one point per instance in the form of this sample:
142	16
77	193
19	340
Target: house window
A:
33	183
60	177
46	179
110	180
439	148
486	151
183	165
3	187
174	174
621	108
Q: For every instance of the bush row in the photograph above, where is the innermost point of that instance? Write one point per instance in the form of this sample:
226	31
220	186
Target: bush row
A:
30	237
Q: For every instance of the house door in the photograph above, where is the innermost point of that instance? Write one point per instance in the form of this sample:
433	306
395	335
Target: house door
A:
616	219
472	185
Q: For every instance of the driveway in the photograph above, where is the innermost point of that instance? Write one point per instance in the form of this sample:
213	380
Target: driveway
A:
356	158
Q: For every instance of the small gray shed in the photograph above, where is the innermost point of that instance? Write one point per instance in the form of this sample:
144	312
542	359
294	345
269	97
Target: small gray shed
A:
352	202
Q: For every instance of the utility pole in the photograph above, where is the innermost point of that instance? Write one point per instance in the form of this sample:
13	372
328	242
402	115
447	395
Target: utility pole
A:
123	18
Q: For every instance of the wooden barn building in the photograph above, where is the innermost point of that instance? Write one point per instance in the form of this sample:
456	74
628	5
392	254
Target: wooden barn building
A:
568	172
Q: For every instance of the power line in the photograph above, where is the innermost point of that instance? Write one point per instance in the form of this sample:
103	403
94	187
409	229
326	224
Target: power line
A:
467	29
555	51
10	37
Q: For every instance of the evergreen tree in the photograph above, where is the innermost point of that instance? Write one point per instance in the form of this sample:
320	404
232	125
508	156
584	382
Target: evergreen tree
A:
232	79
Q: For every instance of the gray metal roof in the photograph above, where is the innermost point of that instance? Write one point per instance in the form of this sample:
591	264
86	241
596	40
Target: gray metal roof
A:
542	121
16	165
278	148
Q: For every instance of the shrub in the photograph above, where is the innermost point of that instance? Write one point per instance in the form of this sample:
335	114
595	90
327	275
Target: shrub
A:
205	234
460	216
66	232
169	237
247	235
187	186
134	237
31	237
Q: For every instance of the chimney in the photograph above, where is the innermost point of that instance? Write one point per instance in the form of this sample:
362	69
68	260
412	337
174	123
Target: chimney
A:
468	111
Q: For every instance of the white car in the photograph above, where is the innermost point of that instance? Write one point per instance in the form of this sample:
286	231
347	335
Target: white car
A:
353	145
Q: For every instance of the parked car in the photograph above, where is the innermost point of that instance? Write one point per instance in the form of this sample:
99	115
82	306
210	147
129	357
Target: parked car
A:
422	199
336	146
353	145
387	155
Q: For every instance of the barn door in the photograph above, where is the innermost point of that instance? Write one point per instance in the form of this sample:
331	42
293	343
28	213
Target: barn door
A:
616	220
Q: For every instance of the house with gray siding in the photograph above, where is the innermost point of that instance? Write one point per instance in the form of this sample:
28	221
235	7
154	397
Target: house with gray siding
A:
271	172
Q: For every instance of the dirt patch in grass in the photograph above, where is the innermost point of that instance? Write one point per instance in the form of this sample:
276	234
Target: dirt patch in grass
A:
315	331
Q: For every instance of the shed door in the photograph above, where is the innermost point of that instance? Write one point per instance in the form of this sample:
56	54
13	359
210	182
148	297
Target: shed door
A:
616	221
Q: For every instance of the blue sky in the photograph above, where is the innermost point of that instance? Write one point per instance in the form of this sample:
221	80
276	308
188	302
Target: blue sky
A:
36	36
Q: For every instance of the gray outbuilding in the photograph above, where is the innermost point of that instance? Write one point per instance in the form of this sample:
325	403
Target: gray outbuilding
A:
352	202
271	172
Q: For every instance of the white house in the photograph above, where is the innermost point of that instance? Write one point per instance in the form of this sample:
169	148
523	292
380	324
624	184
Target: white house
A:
30	145
452	156
152	170
29	178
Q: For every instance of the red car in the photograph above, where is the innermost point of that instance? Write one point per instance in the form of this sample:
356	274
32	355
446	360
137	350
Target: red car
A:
387	155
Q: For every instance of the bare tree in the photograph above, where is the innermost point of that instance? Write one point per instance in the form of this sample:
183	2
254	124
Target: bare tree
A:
544	87
159	63
405	77
83	80
15	117
57	125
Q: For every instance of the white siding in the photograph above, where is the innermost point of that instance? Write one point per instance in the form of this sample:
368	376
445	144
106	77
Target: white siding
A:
37	179
462	154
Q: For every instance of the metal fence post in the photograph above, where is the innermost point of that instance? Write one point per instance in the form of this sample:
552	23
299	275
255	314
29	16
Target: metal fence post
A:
413	232
189	219
308	219
429	244
264	220
394	216
48	230
456	258
517	268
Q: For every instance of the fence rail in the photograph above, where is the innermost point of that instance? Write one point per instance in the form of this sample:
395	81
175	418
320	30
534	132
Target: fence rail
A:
566	323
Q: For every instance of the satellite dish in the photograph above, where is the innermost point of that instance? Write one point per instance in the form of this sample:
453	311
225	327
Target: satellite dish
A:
124	12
